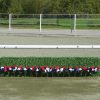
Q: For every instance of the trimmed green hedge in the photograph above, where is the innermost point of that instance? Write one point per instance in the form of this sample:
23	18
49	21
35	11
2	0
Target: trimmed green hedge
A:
50	61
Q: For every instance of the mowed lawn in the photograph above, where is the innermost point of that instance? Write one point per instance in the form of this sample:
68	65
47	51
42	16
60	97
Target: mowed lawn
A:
53	23
29	88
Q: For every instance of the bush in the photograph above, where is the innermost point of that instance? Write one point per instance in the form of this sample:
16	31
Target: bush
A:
50	61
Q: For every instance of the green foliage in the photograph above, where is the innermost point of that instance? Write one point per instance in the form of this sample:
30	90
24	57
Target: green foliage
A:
15	6
4	5
50	61
50	6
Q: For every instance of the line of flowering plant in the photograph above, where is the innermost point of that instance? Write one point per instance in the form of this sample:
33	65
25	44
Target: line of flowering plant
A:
49	71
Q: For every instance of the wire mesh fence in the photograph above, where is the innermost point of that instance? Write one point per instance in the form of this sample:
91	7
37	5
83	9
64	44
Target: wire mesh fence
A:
25	21
88	21
56	21
50	21
4	20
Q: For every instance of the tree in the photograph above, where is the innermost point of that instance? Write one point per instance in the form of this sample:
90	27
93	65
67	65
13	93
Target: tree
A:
4	5
50	6
15	7
65	6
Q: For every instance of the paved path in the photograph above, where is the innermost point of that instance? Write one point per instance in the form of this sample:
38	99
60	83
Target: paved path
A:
24	36
87	33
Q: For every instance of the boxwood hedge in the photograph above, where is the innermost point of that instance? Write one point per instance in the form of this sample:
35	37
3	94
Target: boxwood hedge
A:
50	61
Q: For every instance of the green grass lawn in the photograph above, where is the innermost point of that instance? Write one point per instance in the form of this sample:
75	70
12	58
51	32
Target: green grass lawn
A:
49	88
61	23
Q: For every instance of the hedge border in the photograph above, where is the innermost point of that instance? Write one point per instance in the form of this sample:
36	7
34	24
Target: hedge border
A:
50	61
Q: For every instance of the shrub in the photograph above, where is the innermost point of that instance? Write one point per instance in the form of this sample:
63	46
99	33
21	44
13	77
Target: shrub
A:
50	61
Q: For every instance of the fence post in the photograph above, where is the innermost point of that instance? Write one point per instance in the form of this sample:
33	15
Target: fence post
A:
71	26
40	22
74	22
10	17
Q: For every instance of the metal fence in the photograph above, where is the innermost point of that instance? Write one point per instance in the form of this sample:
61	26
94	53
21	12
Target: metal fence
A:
50	21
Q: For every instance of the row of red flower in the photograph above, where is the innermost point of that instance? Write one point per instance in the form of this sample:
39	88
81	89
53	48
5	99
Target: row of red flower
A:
52	71
50	68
